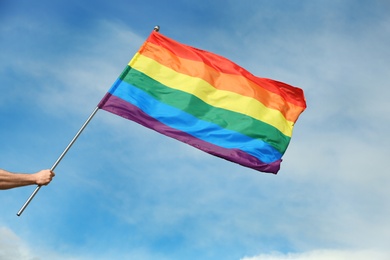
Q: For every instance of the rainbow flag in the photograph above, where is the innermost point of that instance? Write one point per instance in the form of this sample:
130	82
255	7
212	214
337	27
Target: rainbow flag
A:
207	101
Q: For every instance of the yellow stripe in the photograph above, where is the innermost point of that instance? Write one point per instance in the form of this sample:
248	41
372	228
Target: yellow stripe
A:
212	96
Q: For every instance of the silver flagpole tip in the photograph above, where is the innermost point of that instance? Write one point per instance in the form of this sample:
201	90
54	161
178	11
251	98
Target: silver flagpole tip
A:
156	28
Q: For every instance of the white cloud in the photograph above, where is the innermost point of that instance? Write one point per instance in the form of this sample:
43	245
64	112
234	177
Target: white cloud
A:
325	255
12	247
76	80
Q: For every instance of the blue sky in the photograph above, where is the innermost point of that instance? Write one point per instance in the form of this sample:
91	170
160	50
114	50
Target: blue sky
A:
126	192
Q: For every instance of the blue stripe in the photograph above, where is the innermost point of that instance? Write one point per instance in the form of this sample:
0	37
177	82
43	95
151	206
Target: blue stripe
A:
185	122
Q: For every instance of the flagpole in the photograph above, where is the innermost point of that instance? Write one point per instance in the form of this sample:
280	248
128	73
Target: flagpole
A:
58	160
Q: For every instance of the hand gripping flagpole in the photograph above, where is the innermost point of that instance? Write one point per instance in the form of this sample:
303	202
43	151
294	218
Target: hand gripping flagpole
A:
58	160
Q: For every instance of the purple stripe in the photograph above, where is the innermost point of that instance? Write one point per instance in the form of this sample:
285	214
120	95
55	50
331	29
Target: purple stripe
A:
126	110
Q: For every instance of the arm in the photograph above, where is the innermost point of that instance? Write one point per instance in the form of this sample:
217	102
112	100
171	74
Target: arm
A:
10	180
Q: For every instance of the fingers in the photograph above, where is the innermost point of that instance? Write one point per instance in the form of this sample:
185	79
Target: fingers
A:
44	177
52	174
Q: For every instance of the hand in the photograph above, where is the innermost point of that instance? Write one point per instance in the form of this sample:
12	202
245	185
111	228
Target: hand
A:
43	177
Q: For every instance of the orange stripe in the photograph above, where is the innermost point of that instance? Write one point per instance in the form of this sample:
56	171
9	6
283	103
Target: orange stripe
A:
287	92
233	83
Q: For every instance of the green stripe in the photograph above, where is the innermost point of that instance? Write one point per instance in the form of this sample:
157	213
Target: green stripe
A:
193	105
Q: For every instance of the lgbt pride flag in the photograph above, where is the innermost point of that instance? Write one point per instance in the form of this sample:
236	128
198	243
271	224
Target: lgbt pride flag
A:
207	101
